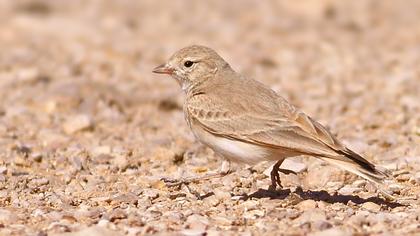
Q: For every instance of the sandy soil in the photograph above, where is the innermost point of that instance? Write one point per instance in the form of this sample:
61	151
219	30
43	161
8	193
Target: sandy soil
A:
87	131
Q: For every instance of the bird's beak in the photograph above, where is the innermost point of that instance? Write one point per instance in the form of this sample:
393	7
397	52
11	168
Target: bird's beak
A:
164	69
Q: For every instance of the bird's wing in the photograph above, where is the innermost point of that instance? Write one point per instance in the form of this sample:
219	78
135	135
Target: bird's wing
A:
270	122
240	121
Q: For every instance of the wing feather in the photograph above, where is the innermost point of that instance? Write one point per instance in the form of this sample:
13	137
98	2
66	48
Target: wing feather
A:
272	129
275	124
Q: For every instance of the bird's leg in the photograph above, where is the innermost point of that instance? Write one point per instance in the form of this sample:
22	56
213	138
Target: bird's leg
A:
275	177
224	170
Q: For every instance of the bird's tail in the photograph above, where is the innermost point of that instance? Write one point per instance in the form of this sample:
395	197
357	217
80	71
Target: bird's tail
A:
372	173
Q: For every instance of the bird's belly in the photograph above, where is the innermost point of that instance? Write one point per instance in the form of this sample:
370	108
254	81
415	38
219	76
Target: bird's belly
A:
234	150
239	151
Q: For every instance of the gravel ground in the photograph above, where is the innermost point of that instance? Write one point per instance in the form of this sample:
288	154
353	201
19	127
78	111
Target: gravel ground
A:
87	131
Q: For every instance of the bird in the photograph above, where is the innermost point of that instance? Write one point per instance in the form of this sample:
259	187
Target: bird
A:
245	121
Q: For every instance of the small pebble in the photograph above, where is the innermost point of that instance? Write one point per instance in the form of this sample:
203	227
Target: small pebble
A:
77	123
3	170
306	205
293	165
395	188
349	190
372	207
117	214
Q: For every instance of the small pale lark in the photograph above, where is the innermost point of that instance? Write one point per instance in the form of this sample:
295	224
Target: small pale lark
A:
245	121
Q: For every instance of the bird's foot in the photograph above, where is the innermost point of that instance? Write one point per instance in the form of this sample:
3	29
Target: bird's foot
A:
275	181
275	176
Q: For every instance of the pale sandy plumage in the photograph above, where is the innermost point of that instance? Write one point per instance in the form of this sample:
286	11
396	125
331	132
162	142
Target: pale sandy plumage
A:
245	121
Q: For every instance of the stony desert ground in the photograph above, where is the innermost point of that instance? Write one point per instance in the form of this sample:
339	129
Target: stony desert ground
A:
87	131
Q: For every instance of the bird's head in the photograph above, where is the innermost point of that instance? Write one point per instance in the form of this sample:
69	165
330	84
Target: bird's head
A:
192	65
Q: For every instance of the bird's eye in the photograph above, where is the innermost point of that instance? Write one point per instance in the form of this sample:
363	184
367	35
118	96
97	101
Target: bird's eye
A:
188	63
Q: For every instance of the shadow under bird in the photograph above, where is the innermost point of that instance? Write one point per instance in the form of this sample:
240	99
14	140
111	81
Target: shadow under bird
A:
245	121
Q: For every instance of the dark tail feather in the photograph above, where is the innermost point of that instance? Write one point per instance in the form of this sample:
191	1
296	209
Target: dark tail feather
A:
361	167
363	163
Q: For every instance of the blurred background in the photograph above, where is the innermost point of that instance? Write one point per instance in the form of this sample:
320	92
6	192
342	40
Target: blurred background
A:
79	105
